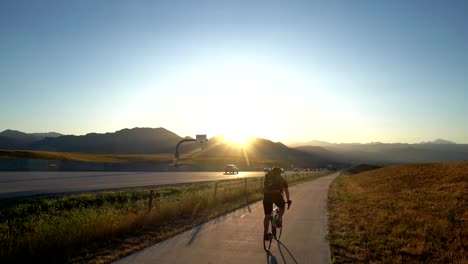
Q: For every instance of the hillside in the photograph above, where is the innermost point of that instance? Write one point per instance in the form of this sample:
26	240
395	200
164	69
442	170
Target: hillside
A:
258	152
27	137
12	143
361	168
149	141
139	145
316	150
13	139
439	141
388	154
125	141
408	214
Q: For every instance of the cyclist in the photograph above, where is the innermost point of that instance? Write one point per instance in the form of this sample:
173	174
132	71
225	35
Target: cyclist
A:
274	185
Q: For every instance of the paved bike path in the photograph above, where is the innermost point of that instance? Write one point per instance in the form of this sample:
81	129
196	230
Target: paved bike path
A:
236	237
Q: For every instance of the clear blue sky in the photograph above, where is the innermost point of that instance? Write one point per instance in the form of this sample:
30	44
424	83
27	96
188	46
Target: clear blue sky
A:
339	71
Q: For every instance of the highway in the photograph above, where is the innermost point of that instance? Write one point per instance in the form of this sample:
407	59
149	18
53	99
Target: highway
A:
237	237
23	183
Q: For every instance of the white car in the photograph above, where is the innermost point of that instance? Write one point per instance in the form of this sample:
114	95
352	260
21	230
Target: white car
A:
231	168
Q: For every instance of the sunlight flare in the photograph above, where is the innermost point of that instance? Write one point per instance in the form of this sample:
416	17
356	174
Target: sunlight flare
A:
237	138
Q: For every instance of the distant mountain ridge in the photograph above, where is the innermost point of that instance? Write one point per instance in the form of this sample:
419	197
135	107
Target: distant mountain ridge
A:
160	140
13	139
391	153
125	141
28	137
438	141
264	149
325	143
309	143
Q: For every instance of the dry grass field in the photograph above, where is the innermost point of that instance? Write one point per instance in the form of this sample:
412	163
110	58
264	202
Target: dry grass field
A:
164	158
400	214
86	157
50	155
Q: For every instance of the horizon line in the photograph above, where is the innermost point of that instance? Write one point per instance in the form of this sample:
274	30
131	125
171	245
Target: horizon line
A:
285	142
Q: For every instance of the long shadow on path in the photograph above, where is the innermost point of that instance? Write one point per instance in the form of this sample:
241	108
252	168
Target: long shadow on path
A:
270	258
280	246
195	234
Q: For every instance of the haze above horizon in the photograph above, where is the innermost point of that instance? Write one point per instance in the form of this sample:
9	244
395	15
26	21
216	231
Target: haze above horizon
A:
338	71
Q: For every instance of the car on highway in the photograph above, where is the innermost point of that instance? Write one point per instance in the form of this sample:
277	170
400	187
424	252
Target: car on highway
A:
231	168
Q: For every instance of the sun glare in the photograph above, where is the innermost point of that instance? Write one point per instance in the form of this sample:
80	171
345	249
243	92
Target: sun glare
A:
239	97
241	139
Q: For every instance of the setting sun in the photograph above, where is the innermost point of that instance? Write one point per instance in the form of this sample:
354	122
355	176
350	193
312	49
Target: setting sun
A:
236	138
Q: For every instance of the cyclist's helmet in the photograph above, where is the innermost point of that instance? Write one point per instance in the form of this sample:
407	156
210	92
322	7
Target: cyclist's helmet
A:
276	171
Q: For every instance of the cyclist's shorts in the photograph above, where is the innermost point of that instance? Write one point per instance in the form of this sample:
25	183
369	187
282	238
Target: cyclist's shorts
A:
268	201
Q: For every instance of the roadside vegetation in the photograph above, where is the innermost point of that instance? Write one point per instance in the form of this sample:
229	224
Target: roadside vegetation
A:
362	168
102	227
84	157
400	214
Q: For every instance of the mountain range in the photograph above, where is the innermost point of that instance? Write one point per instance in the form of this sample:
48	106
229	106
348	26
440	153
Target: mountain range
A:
13	139
160	140
389	153
312	153
125	141
324	143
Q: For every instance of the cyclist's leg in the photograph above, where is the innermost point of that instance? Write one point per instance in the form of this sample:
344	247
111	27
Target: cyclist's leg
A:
266	225
279	201
267	208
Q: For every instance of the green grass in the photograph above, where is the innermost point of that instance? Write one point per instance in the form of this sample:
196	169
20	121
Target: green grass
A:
92	227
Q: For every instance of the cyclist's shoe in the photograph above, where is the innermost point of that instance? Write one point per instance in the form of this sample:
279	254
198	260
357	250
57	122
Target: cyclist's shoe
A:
279	223
266	236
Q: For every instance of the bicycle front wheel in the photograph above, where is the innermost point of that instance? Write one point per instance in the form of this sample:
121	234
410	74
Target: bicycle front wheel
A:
267	243
278	236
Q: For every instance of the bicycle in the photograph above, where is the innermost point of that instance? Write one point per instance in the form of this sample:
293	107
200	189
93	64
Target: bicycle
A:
273	226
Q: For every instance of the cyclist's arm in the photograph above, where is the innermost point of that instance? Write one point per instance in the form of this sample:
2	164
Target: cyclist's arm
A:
286	191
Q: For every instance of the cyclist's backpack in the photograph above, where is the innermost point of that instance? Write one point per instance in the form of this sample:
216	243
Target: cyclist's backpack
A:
272	182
